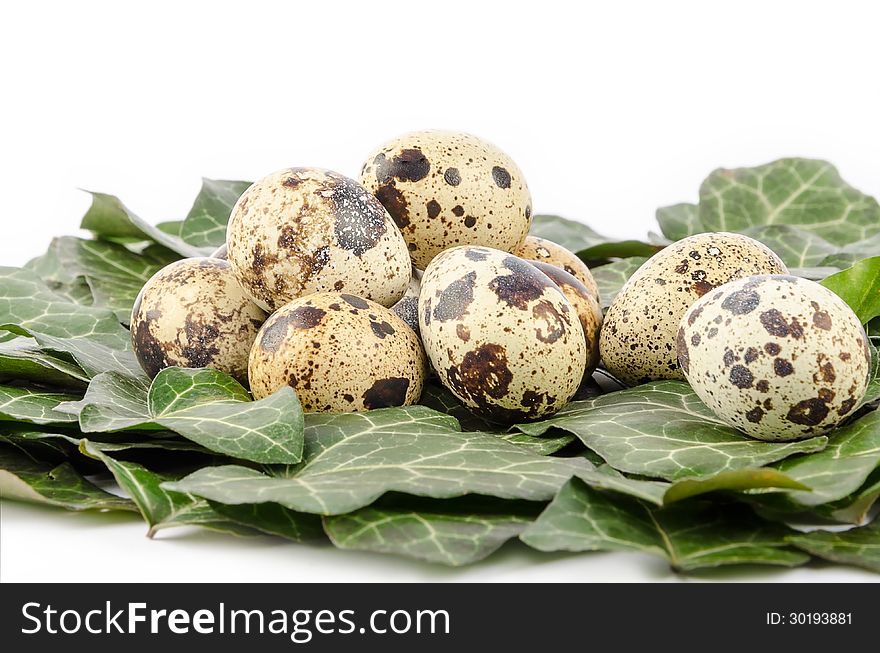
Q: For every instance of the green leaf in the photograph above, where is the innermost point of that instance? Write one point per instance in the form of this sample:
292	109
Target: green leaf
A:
109	218
572	235
452	532
26	479
612	276
690	535
33	406
22	360
205	225
442	400
159	507
25	302
114	273
60	280
353	459
736	480
663	430
798	248
872	392
203	405
852	454
273	519
802	192
541	446
857	546
859	287
679	221
92	357
585	242
854	509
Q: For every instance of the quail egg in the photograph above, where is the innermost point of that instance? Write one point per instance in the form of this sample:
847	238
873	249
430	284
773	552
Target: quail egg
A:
546	251
305	230
500	334
407	309
448	188
193	313
339	352
637	343
775	356
585	305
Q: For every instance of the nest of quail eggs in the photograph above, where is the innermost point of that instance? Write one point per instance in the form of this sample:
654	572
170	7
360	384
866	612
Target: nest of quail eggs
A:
354	292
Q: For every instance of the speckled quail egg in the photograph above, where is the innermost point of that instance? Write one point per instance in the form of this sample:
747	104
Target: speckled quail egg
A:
448	188
339	352
193	313
305	230
546	251
776	356
585	305
637	343
500	334
221	252
407	309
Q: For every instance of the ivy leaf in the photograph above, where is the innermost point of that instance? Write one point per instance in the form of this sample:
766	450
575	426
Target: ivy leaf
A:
273	519
679	221
356	458
21	359
205	224
872	392
662	430
451	532
857	546
806	193
572	235
27	303
160	508
852	454
854	509
541	446
690	535
798	248
612	276
71	287
33	406
203	405
26	479
92	357
585	242
114	273
859	287
109	218
736	480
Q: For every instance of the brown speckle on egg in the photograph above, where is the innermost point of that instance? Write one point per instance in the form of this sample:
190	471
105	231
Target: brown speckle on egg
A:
315	344
305	230
805	385
193	313
501	334
445	189
648	312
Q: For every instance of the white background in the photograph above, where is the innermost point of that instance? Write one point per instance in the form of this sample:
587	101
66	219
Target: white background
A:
611	110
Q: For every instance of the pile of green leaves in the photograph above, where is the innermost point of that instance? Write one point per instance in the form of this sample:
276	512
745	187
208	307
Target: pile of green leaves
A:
647	469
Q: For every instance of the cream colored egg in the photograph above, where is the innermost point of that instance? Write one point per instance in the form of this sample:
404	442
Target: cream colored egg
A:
776	356
500	334
637	343
448	188
584	302
193	313
340	353
306	230
546	251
